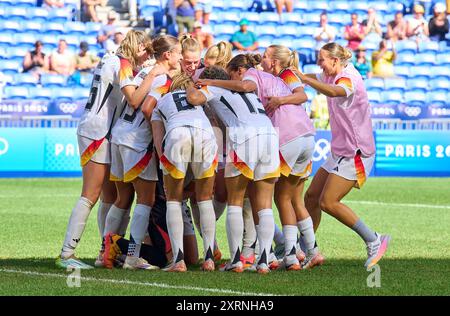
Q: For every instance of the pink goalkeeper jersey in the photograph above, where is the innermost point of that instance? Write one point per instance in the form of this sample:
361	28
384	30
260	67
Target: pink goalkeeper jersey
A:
351	126
290	120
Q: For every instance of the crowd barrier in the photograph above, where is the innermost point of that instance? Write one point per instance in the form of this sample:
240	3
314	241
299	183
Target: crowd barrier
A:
47	152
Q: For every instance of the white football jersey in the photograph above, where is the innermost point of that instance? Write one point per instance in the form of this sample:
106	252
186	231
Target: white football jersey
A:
132	129
174	111
105	100
242	113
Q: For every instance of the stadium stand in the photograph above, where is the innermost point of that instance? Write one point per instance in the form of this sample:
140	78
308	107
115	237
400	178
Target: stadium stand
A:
422	70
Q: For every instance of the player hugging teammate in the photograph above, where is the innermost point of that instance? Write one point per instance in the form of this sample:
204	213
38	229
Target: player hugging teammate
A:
231	133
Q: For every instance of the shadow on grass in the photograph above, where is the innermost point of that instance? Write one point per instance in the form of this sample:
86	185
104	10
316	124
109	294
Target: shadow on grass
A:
418	276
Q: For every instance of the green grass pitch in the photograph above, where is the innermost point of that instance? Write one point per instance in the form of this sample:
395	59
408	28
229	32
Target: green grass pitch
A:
416	212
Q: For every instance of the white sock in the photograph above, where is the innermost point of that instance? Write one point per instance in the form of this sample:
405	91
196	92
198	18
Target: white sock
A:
75	228
290	240
307	233
249	242
175	227
124	224
265	230
113	220
219	208
196	216
278	235
208	225
235	230
139	225
103	209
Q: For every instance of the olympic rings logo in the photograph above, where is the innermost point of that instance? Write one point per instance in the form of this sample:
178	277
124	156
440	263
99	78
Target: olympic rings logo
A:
68	107
413	111
5	148
321	150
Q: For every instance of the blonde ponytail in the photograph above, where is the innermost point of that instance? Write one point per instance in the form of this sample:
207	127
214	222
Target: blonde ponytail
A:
129	47
222	53
189	44
337	51
286	57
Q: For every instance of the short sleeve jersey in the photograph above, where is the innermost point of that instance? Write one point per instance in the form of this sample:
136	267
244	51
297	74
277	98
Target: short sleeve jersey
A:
105	101
350	122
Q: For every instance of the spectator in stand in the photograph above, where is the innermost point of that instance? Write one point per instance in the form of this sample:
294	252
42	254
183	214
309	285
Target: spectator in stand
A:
383	61
354	32
113	44
261	6
438	24
280	4
185	15
417	26
361	63
324	34
244	40
53	4
35	61
371	24
62	61
89	8
108	30
396	29
85	63
203	10
205	39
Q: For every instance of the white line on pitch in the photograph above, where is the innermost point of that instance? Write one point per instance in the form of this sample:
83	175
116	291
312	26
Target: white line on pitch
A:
398	204
150	284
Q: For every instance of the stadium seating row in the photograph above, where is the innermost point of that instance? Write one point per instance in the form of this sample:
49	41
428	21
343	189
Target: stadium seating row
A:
39	93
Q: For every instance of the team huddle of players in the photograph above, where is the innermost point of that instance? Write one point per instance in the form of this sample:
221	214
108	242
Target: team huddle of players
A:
226	133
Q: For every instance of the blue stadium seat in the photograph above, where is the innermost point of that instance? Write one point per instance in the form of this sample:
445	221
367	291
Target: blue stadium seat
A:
415	97
17	53
269	18
339	19
340	6
305	31
221	29
10	26
360	8
6	39
73	41
405	59
442	85
439	97
8	79
289	43
41	93
93	28
374	96
26	39
38	14
264	42
406	46
443	59
25	80
395	84
417	84
16	93
395	7
288	31
301	6
267	30
252	17
312	20
50	81
60	15
27	3
374	84
54	28
50	41
233	17
392	97
311	69
32	27
10	66
86	81
440	72
421	72
380	6
425	59
235	5
60	94
401	71
3	53
291	19
428	46
155	4
75	28
18	12
218	5
318	6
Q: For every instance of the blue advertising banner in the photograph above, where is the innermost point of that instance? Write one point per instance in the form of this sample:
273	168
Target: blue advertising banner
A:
54	152
413	153
19	108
